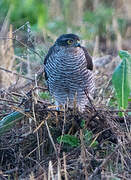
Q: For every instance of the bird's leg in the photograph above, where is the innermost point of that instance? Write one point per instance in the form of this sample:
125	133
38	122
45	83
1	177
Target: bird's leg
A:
57	105
56	118
67	103
75	104
75	111
56	113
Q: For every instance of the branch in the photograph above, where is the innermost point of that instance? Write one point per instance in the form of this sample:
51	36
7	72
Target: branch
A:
96	171
16	74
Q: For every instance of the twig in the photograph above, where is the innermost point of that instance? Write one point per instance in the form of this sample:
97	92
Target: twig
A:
65	171
37	134
18	29
83	155
103	163
39	87
27	156
23	45
37	128
114	111
2	177
1	99
52	141
90	101
14	73
11	170
16	94
63	130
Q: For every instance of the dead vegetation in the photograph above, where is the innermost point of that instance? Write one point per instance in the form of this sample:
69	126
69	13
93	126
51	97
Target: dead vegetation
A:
30	150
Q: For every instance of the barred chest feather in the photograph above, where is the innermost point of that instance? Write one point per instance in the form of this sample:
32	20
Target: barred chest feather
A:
68	75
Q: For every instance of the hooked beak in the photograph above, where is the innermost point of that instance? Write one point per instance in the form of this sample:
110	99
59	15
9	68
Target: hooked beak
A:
77	45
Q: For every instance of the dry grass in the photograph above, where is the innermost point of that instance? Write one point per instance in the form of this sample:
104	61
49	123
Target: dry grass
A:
30	150
7	58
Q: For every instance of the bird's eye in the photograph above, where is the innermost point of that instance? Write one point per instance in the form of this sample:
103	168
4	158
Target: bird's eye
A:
69	41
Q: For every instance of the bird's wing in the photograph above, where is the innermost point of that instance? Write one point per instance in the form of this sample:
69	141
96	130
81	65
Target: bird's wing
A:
46	59
88	59
48	54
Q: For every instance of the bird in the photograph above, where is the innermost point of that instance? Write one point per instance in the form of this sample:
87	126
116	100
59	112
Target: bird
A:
69	73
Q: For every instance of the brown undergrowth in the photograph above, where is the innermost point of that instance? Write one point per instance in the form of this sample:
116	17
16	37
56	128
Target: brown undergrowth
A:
30	150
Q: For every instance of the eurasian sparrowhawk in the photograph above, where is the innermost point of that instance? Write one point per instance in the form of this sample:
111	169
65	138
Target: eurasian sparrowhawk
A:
68	71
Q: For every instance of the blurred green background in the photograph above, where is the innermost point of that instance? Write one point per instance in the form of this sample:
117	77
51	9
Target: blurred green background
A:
104	24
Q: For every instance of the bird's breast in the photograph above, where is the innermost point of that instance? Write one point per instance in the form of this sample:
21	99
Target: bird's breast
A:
67	63
67	72
70	59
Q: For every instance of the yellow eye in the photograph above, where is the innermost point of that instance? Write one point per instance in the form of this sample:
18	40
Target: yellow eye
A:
69	41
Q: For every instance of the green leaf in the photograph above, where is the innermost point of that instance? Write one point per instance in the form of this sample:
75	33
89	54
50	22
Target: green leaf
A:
68	139
121	79
88	138
88	135
94	144
9	121
129	99
45	95
82	123
124	54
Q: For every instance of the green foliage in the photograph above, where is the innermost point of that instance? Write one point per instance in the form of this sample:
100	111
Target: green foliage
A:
82	124
9	121
22	11
98	20
57	26
124	54
88	138
75	142
122	25
113	102
68	139
45	95
121	80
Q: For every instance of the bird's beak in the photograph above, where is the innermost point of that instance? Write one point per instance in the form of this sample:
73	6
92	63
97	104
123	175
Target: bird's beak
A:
77	45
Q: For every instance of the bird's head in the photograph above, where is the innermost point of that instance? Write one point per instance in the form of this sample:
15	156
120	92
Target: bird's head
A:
68	40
